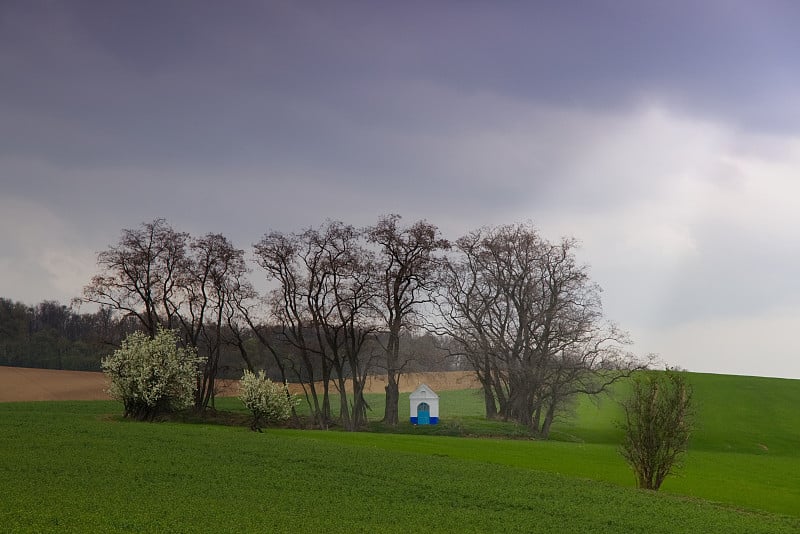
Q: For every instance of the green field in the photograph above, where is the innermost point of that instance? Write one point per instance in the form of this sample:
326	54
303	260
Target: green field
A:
76	467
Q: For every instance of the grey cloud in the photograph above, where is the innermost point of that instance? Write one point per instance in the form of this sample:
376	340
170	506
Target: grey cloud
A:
736	273
184	83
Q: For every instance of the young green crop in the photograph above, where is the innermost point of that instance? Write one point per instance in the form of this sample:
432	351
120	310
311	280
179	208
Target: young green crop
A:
70	467
745	449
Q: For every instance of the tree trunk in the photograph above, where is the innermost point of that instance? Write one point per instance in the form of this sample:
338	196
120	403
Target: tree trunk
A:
391	415
536	420
491	406
391	411
548	420
344	408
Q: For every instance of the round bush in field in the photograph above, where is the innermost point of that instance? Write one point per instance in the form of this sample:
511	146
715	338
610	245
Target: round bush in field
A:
267	401
152	375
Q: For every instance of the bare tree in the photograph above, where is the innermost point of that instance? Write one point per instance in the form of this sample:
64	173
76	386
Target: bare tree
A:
657	426
529	320
239	319
287	262
139	276
212	283
407	264
162	277
324	304
342	308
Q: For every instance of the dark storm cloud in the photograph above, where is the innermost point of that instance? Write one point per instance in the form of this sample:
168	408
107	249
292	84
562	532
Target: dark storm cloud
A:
361	91
206	83
374	95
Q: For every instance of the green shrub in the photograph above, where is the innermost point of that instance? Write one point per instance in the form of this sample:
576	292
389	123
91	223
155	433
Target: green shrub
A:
657	426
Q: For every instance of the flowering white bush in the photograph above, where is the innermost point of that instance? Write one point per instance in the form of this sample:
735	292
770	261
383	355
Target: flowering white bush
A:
267	401
152	375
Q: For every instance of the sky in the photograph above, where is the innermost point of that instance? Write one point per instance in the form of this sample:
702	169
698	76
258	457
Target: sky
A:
664	136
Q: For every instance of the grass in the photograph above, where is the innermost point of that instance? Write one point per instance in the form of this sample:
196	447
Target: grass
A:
73	467
745	450
70	467
744	414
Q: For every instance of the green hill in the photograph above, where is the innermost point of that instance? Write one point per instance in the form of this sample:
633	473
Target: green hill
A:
745	450
72	467
744	414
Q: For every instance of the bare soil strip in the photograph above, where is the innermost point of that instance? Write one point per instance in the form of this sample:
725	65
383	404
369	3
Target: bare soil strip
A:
23	384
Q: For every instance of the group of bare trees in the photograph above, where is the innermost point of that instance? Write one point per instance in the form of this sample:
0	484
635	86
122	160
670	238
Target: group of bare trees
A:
344	296
165	278
529	320
518	308
407	273
323	303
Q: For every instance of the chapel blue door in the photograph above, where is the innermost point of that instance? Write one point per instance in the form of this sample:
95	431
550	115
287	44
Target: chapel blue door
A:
423	414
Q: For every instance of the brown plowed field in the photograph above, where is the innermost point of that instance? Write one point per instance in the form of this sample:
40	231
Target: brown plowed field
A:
22	384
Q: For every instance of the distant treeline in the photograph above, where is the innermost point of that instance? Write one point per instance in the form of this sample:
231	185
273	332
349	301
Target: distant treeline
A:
51	335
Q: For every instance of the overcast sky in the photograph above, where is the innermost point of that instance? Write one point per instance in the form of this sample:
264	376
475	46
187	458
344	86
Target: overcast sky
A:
665	137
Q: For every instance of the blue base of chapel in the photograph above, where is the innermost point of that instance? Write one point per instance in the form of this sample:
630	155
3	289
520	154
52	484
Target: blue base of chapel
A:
433	421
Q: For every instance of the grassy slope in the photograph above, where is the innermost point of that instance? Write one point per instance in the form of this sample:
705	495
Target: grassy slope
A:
745	451
752	420
67	467
751	415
